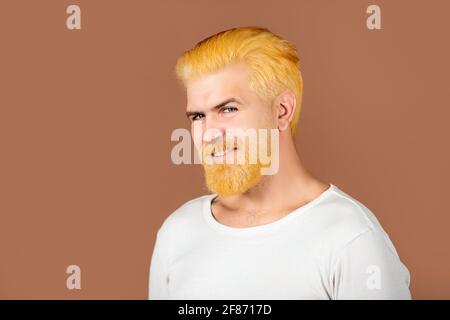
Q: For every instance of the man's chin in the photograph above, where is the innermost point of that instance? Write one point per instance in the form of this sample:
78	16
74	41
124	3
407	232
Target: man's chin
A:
227	180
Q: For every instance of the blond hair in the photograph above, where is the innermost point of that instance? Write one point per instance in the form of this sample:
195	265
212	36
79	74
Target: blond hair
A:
273	62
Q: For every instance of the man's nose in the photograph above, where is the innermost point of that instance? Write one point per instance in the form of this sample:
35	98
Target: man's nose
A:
212	131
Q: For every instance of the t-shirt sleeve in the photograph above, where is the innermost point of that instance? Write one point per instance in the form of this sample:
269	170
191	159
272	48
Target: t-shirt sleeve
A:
158	278
368	267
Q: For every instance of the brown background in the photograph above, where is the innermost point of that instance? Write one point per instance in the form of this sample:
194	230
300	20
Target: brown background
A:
86	118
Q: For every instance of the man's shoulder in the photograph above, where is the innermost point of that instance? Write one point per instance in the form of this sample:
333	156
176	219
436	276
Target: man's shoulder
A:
185	215
343	218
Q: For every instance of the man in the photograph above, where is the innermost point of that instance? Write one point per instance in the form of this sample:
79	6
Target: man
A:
286	235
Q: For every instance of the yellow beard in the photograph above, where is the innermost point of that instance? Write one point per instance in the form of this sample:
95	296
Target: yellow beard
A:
231	179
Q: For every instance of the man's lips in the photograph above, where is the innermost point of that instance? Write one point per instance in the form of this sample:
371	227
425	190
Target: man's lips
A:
220	154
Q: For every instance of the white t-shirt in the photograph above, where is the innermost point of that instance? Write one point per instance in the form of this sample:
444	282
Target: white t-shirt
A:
331	248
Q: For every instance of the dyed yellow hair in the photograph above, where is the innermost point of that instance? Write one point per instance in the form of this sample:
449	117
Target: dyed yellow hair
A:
273	61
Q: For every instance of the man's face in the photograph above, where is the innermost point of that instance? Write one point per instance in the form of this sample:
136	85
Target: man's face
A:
218	103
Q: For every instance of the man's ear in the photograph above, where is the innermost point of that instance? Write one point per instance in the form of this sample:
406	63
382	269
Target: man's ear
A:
285	105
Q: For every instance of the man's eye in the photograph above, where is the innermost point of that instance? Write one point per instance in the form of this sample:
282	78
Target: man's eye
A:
229	109
196	117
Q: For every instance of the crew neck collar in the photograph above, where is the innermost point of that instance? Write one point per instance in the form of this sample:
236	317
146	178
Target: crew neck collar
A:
248	231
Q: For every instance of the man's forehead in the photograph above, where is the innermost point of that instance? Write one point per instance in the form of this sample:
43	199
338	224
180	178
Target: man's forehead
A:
209	98
208	90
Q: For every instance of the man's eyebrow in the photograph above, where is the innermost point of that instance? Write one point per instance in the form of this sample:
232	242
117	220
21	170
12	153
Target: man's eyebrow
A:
220	105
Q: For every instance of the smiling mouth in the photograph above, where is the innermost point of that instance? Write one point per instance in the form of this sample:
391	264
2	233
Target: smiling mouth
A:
219	154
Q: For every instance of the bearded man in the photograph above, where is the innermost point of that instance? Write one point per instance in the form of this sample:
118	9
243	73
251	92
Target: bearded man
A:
278	235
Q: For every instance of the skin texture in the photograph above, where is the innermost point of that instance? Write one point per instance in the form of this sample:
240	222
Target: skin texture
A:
274	196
